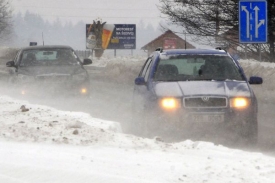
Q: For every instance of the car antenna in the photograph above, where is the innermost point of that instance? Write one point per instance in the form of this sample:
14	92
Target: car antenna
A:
43	38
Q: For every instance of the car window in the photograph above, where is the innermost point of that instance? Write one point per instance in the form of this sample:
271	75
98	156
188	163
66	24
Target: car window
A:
145	67
148	70
16	59
194	67
48	56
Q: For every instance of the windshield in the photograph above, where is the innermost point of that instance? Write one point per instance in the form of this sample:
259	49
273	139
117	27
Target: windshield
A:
196	67
52	56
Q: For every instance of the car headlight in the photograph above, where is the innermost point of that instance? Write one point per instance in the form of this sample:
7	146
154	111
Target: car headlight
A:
239	102
83	90
170	103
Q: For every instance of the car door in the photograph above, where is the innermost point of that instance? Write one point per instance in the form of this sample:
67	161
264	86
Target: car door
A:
141	91
13	70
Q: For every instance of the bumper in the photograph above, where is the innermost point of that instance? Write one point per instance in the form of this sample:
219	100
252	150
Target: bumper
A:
54	88
182	117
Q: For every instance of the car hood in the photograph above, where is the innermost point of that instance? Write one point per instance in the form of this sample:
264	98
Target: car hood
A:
51	70
198	88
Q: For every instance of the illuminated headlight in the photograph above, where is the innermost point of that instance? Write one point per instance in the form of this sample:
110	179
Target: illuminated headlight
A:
170	103
23	92
239	102
83	90
80	77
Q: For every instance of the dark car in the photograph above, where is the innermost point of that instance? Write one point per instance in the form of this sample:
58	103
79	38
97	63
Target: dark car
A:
186	90
55	69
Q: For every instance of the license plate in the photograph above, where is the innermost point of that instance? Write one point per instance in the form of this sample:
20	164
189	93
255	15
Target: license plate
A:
215	118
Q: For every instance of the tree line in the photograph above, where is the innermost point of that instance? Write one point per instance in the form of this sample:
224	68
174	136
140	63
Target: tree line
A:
27	27
217	21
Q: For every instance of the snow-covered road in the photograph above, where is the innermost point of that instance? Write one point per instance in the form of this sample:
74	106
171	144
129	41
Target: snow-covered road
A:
42	144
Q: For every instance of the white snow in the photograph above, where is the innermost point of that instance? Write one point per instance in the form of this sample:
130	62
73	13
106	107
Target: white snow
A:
39	145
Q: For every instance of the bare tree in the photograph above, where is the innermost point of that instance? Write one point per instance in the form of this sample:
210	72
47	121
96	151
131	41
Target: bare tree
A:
5	19
215	20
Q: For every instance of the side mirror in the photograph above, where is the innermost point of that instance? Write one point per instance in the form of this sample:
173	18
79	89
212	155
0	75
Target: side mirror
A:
10	64
140	81
87	61
255	80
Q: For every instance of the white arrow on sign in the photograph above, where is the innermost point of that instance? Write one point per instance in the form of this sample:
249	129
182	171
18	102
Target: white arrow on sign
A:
257	24
247	20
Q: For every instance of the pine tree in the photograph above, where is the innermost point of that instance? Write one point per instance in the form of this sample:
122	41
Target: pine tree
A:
5	19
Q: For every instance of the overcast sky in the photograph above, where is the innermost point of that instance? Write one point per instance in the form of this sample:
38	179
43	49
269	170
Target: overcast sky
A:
111	11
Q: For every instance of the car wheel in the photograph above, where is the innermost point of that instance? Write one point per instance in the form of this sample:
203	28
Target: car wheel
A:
249	131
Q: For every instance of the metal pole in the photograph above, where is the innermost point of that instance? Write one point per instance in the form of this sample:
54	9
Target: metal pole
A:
185	40
245	51
260	52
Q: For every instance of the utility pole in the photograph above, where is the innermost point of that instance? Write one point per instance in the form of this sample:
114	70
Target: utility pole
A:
185	40
217	20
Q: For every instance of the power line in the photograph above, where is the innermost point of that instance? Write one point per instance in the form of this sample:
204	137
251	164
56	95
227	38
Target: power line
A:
70	16
88	8
109	17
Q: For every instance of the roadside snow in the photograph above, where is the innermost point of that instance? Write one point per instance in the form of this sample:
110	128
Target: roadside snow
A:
22	121
40	144
257	63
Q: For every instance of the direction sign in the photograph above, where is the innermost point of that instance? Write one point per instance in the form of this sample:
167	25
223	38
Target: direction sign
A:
253	21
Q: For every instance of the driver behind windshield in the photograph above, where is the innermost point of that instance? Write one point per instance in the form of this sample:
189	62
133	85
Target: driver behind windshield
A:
65	55
48	56
205	67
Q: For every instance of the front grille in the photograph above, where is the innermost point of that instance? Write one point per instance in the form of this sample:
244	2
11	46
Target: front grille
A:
53	78
205	102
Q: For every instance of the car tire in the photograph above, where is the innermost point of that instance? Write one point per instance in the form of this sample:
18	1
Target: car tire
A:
249	131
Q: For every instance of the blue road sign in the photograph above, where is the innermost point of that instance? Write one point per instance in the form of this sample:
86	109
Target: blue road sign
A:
253	21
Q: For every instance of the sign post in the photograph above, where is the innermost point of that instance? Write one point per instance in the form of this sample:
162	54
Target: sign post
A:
253	21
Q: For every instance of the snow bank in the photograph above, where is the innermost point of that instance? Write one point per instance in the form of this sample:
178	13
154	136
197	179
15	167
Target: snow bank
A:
116	70
42	144
61	146
21	121
266	71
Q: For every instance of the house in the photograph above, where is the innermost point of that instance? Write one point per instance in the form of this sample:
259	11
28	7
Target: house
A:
167	40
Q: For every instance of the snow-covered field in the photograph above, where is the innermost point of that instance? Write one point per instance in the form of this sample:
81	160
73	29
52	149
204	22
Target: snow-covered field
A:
40	144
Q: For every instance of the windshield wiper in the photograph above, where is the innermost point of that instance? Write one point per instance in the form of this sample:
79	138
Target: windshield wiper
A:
200	79
168	80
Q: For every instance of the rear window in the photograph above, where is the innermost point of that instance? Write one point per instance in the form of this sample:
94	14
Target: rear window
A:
196	67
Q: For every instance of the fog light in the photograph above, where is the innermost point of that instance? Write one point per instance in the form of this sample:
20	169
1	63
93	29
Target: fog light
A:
83	90
170	103
23	92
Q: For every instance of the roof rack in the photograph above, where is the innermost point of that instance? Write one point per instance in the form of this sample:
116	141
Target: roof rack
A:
220	48
160	49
